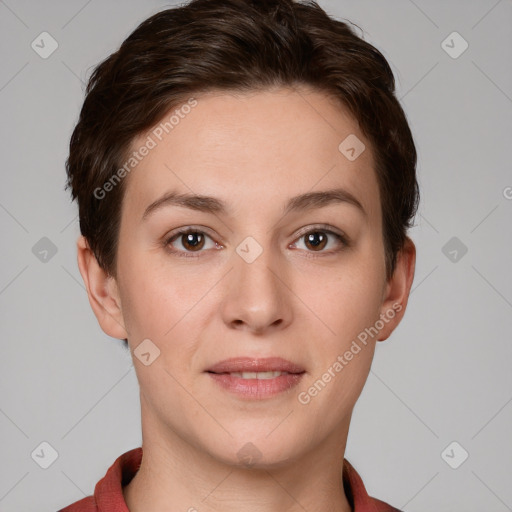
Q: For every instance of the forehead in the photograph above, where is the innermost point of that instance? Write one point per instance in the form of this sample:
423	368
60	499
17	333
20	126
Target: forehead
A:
254	149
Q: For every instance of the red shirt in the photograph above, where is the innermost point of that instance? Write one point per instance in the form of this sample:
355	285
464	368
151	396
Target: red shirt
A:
108	493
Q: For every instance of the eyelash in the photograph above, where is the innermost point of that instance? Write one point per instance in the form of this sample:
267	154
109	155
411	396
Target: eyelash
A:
316	229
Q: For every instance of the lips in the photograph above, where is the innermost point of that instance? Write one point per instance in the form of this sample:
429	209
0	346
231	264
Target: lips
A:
256	379
248	367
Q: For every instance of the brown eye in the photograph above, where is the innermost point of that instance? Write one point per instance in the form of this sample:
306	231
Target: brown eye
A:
189	241
322	241
315	240
192	241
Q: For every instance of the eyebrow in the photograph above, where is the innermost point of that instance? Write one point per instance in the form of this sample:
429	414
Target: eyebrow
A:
208	204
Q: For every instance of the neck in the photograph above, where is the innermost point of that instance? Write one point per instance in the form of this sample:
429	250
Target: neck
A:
174	475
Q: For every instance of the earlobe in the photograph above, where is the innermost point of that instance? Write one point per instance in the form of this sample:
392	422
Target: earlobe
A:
102	291
397	290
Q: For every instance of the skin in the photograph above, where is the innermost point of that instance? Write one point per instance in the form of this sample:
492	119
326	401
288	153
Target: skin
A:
253	151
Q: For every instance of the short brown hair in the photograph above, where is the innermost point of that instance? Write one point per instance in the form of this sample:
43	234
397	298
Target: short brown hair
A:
235	45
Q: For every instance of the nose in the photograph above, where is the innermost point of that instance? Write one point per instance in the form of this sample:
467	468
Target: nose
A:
257	298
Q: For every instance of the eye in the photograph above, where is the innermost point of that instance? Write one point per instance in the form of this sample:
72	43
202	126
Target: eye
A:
189	240
185	242
318	239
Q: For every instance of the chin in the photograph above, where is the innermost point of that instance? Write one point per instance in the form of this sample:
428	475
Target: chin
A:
257	451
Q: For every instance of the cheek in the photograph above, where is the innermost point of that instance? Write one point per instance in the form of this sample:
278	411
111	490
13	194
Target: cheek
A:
345	300
159	300
148	298
347	303
348	309
349	341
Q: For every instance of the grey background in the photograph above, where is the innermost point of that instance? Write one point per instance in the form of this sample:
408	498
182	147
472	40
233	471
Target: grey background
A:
443	376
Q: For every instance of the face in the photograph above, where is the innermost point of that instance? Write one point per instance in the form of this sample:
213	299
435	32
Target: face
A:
282	265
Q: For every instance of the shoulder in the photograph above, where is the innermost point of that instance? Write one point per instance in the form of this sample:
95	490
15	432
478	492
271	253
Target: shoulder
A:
87	504
382	506
357	495
108	492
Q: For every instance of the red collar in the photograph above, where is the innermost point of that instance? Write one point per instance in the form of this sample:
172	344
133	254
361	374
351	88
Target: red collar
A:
108	493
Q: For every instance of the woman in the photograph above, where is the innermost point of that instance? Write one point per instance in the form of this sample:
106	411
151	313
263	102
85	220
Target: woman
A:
245	178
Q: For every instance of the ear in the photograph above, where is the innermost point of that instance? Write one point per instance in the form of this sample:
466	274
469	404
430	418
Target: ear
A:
102	291
397	289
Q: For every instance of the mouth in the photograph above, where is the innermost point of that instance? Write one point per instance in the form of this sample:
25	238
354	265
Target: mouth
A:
254	375
253	368
252	378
